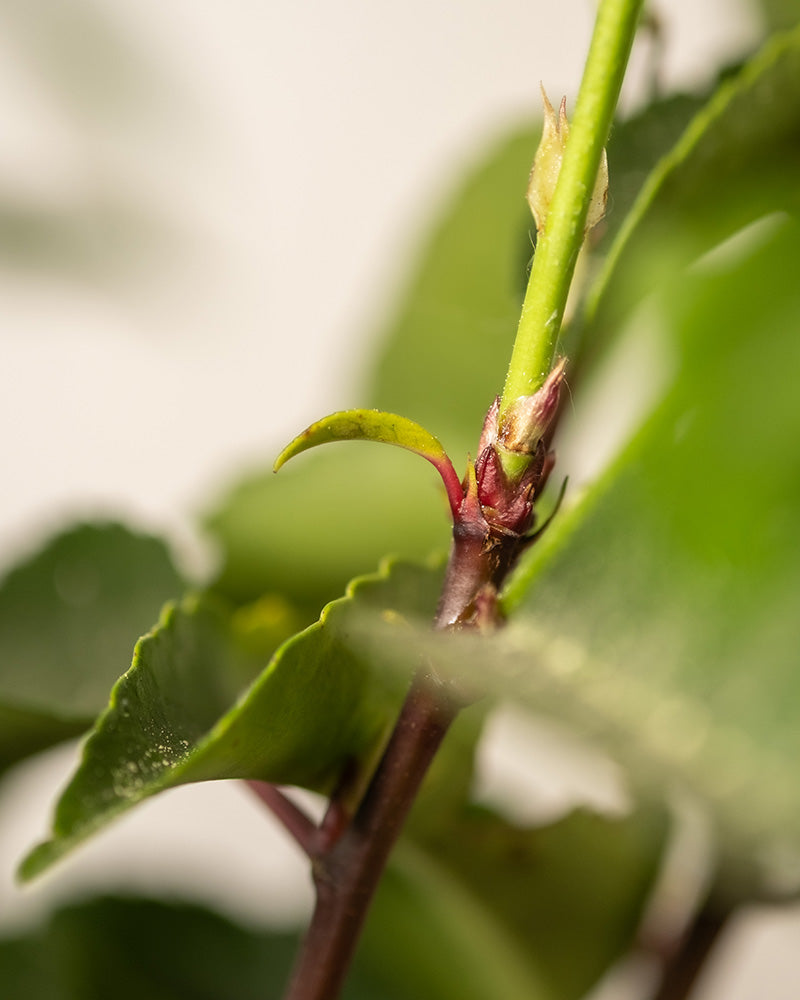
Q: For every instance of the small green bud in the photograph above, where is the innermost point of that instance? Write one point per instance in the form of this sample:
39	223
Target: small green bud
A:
547	166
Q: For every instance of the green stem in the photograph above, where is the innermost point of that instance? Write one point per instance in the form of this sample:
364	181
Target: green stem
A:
558	247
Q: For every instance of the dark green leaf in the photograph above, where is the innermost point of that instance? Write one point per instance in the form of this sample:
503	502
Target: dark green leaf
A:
175	717
736	162
133	949
568	896
565	897
430	936
68	619
635	146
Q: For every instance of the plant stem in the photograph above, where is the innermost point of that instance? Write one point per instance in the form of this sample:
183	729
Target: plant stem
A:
682	969
347	875
557	250
291	817
347	869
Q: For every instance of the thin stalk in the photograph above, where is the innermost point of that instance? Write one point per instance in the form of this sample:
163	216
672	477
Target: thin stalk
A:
347	870
296	823
682	970
347	875
559	245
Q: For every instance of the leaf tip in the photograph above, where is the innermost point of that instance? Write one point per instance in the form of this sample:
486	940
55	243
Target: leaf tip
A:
288	452
36	862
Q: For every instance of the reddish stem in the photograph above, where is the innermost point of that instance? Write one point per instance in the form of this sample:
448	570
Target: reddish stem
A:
487	538
683	967
301	828
348	874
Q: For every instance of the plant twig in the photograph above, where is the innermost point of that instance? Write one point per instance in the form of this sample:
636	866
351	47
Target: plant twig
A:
682	969
347	875
347	871
296	823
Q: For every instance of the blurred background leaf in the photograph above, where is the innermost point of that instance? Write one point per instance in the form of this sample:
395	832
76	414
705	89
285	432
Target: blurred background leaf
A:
667	618
69	617
134	948
735	163
566	895
780	14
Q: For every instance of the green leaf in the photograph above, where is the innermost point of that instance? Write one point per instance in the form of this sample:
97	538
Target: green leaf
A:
430	936
175	718
564	898
142	948
668	621
735	163
635	146
135	948
568	896
68	618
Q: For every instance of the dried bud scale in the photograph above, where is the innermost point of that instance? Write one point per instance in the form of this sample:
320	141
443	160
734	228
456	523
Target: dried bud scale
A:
547	167
526	421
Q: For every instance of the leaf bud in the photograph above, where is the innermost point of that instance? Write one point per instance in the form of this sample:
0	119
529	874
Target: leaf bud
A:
547	166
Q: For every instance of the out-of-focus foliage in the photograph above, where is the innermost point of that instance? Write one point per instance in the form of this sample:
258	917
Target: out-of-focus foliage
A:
662	609
780	14
68	618
736	162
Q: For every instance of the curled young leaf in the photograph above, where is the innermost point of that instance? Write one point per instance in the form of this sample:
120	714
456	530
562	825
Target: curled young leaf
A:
385	428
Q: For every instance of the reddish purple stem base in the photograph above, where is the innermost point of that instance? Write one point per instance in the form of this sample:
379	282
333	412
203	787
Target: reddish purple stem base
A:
346	875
